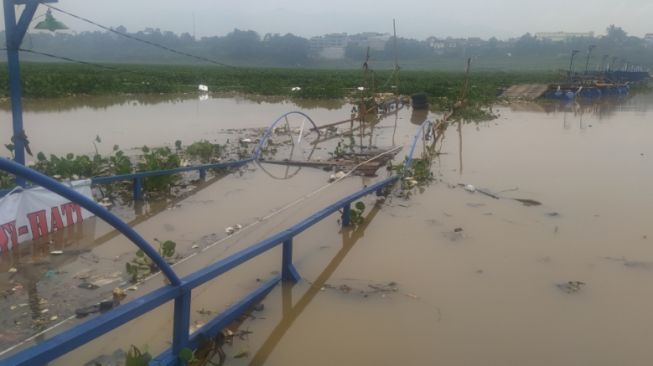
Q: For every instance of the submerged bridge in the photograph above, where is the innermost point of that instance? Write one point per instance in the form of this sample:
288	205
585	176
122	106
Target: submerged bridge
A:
179	290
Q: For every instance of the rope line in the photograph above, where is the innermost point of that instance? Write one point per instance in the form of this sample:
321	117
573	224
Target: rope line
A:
134	38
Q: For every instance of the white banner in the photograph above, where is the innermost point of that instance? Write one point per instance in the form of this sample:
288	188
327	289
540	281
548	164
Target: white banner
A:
30	214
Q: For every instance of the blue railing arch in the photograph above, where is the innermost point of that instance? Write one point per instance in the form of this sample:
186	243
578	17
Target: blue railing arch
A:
90	205
259	146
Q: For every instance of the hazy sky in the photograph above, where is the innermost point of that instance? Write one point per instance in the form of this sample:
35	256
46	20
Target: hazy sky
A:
415	19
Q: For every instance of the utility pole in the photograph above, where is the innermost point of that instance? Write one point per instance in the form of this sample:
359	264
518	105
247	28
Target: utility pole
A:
589	54
396	68
604	64
571	62
14	33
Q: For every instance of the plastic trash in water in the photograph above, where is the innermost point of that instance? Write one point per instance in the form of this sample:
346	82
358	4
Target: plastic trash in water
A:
203	88
295	88
470	188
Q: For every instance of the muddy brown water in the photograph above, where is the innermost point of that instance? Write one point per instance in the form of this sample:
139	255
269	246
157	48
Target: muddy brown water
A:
408	286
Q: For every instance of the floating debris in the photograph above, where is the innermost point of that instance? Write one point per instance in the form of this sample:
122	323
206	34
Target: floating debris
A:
203	311
118	294
242	354
202	88
13	270
56	252
96	308
527	202
469	188
632	263
232	229
411	182
571	287
475	205
339	175
295	88
88	286
454	235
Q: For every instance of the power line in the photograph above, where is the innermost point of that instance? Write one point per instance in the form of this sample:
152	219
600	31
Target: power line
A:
69	59
129	36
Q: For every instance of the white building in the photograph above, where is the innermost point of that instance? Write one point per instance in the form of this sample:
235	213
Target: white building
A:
329	46
648	37
375	41
562	36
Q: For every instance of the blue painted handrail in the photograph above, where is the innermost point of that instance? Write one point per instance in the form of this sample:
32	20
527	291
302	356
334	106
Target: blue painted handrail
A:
178	290
423	131
154	173
138	177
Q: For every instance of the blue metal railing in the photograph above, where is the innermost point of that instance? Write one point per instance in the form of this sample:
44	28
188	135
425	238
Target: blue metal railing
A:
179	290
424	132
137	178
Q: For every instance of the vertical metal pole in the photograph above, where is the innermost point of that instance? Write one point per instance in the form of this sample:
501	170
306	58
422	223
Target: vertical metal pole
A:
138	189
13	43
202	174
181	323
589	54
346	215
288	271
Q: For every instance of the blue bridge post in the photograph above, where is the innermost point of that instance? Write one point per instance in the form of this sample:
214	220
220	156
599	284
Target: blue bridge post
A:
202	174
181	324
288	271
138	189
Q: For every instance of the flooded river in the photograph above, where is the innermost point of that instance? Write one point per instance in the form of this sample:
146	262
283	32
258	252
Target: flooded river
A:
450	276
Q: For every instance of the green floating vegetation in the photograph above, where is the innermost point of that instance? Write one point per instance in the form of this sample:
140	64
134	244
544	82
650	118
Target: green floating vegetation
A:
43	80
356	213
203	151
71	166
160	158
142	266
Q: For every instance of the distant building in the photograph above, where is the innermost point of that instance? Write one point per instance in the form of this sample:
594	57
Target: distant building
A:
375	41
562	36
648	37
436	44
329	46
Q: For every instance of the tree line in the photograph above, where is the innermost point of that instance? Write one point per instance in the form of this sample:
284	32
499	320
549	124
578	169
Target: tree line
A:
248	48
